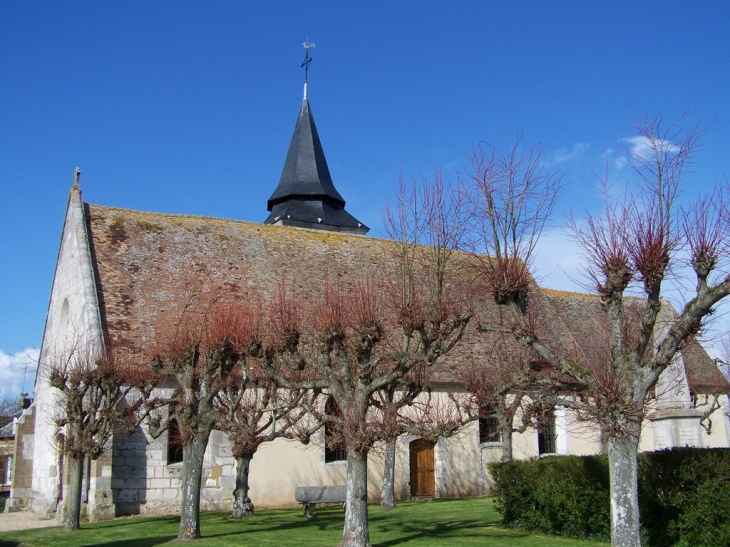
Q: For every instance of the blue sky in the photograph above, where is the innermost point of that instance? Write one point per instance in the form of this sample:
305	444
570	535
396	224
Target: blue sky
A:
188	107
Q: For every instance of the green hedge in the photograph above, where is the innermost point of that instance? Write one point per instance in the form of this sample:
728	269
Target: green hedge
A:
684	496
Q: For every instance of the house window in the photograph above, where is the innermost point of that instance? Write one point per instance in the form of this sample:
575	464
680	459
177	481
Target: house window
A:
174	443
335	449
489	430
546	434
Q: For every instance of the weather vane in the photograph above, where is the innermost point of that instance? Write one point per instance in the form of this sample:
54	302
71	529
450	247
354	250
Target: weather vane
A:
307	59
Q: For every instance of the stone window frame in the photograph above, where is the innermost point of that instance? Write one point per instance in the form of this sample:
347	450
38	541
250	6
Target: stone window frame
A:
560	435
174	444
487	421
547	434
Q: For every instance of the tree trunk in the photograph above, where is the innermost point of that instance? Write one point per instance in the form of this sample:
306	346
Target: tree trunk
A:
507	442
356	533
242	506
623	468
387	497
72	499
192	475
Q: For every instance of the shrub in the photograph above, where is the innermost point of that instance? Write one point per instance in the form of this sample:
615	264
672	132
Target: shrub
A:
684	494
559	495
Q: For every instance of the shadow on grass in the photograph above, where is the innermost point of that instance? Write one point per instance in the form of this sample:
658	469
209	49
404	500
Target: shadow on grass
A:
141	542
131	521
436	525
433	522
324	519
457	528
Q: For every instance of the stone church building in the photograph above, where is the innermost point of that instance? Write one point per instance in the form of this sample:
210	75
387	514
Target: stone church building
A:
121	272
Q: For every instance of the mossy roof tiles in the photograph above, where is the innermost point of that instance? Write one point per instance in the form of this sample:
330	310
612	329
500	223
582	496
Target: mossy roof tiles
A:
148	264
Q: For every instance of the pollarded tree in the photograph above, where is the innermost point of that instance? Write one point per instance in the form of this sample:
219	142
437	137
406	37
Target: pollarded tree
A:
199	354
355	349
390	401
629	250
498	384
253	408
429	224
97	393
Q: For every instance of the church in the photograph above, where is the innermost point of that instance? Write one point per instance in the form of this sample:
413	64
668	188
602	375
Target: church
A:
121	272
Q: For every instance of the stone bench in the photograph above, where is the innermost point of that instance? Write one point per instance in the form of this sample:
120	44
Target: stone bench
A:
310	496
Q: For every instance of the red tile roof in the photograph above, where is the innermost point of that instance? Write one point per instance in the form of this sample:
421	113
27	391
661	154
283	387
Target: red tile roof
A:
148	264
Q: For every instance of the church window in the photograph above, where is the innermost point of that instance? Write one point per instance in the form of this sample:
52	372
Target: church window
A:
546	434
335	449
489	430
174	443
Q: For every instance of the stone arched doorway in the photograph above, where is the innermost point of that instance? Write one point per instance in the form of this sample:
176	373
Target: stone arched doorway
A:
423	481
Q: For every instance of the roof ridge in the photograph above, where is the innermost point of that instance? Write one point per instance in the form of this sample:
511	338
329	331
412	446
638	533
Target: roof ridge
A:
255	225
559	293
171	215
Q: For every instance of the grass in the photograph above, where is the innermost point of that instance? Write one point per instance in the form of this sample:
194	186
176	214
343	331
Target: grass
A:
457	523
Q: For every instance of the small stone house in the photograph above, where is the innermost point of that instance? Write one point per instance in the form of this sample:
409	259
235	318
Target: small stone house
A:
7	449
121	272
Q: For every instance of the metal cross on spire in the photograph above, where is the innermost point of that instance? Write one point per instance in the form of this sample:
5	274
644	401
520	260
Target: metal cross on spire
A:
307	59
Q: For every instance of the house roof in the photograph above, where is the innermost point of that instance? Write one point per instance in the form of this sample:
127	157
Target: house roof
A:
587	323
306	195
148	264
7	431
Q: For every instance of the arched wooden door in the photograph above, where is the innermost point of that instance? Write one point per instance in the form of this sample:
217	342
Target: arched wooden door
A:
423	482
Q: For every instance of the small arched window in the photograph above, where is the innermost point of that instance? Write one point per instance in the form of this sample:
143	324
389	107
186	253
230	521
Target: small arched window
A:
174	443
335	449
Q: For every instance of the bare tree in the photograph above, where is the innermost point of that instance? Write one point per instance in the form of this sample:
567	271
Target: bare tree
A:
497	384
512	198
407	406
355	349
199	354
429	223
9	406
253	408
390	401
96	393
632	245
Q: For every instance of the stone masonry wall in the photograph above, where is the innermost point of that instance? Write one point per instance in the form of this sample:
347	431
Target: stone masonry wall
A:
20	491
144	483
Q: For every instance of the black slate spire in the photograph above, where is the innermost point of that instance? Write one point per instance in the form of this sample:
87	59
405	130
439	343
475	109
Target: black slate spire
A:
306	196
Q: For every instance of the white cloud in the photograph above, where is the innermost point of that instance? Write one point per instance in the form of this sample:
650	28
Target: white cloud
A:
614	159
639	146
562	155
643	147
17	372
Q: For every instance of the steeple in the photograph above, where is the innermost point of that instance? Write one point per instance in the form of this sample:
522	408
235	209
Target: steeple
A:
306	196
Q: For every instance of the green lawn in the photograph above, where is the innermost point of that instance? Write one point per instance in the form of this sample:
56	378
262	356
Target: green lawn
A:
425	523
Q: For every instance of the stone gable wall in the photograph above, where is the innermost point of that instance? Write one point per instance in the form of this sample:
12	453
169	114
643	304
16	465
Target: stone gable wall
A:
72	324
